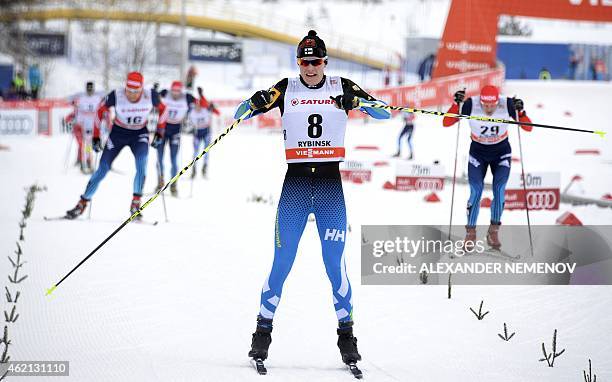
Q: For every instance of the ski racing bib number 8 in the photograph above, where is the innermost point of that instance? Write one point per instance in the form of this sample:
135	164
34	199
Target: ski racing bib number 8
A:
313	128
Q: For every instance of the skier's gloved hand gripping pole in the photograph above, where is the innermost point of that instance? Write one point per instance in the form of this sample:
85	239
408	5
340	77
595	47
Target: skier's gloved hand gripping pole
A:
379	105
242	114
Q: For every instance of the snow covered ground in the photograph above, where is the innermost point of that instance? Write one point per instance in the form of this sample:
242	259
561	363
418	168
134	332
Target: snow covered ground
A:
178	301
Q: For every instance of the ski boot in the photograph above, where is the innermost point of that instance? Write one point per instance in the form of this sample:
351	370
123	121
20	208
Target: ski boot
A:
135	206
470	238
204	168
173	190
77	210
83	167
160	183
194	171
410	157
493	236
347	343
261	339
396	155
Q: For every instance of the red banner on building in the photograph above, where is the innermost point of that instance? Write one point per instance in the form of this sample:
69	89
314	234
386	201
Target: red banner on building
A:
469	41
437	92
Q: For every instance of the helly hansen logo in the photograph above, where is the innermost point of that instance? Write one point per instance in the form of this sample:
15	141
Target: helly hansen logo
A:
334	234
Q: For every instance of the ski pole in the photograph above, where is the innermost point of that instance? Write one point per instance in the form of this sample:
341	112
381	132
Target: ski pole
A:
450	222
366	103
525	190
67	157
192	180
159	171
174	179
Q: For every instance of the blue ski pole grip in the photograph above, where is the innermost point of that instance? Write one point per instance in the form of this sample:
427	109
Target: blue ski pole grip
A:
242	108
374	112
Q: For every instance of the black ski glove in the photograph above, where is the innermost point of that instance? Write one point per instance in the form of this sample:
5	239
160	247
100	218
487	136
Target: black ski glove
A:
460	96
518	104
260	99
157	140
345	101
163	93
96	144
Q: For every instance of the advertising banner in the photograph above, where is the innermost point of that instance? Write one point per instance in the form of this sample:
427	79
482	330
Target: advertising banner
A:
215	51
469	40
543	191
414	176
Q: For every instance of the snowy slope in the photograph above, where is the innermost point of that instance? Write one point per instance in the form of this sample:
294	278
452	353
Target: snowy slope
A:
177	302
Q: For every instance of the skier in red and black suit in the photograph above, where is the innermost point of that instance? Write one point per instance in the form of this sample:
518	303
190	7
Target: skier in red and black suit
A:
489	148
132	107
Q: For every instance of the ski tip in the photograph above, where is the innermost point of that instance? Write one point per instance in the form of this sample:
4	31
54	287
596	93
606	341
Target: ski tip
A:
357	373
259	366
602	134
50	290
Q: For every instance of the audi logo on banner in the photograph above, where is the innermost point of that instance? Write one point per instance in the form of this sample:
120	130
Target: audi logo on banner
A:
413	183
535	199
542	200
16	125
428	184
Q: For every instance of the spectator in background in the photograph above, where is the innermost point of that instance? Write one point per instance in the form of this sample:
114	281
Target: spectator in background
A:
544	74
401	72
600	69
426	67
35	80
19	85
11	94
592	68
574	61
387	76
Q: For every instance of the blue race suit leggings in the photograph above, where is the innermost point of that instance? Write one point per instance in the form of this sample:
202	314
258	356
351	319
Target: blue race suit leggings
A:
201	136
172	137
498	156
138	141
407	131
310	188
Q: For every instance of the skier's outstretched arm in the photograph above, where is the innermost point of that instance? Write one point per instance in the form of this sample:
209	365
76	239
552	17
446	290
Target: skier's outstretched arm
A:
466	108
162	111
264	100
205	104
516	109
352	90
103	109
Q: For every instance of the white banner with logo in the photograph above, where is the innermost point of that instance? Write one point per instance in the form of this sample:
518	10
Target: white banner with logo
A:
18	121
415	176
543	191
353	170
